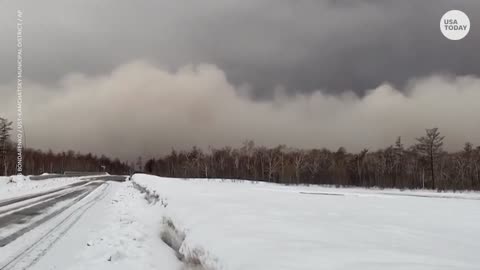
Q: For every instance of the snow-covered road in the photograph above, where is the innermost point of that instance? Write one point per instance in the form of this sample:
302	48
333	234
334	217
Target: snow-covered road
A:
20	217
28	221
92	224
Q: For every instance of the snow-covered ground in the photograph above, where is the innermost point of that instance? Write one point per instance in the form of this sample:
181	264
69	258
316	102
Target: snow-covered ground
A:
242	225
239	225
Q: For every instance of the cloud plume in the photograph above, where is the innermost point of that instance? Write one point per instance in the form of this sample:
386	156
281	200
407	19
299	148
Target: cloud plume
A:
142	109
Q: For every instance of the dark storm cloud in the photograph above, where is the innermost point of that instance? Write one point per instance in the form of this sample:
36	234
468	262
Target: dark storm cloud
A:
302	45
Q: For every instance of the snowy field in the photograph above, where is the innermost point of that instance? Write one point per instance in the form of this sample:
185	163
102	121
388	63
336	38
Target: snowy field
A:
243	225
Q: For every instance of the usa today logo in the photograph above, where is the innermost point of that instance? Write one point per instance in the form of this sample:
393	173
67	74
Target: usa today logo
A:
455	25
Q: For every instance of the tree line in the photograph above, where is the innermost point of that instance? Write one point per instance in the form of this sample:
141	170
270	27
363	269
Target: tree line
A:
37	162
423	165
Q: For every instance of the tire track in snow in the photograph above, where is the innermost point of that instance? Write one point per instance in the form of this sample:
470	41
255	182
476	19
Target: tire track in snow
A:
20	216
31	196
30	255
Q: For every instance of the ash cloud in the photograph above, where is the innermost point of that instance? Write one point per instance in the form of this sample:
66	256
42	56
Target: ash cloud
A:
142	109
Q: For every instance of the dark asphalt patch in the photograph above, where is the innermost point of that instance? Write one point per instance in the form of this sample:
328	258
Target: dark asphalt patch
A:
31	196
24	215
322	193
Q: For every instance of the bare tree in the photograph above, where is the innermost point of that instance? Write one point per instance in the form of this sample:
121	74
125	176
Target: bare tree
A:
5	128
430	146
299	163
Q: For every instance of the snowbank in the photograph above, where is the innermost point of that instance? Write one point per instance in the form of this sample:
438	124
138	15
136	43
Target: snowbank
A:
244	225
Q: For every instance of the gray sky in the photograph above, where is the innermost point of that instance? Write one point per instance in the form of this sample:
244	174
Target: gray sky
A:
304	48
303	45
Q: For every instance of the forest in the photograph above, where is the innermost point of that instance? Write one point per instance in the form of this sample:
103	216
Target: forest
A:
422	165
37	162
